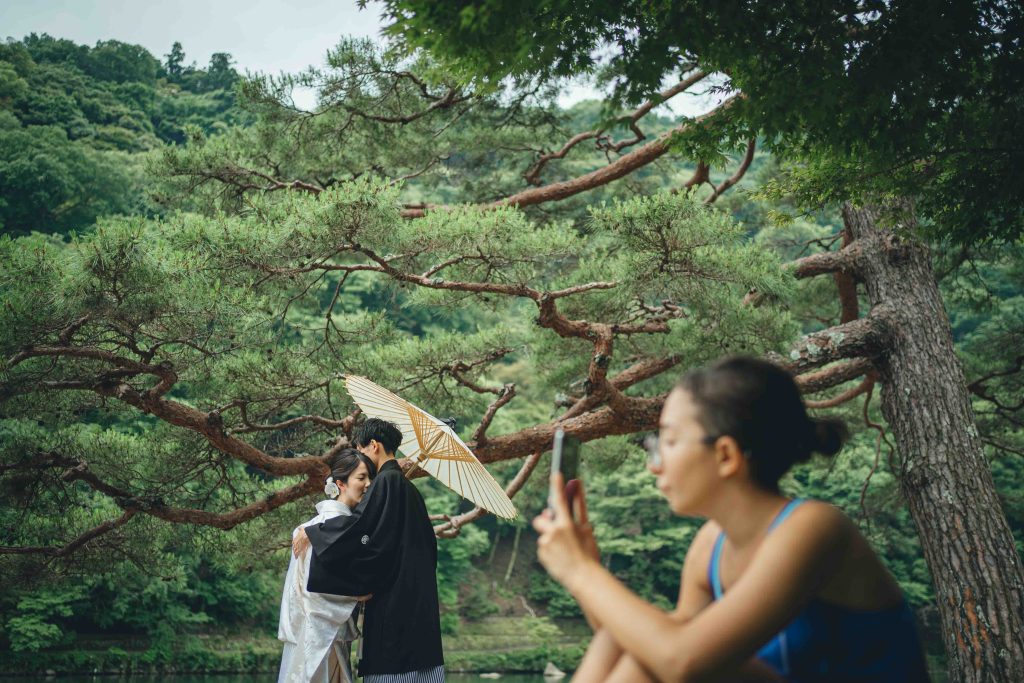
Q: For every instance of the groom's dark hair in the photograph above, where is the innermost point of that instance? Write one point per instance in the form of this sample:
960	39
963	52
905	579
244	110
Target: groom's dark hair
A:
382	431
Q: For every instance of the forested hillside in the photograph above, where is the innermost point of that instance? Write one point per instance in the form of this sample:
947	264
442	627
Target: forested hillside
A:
76	123
190	262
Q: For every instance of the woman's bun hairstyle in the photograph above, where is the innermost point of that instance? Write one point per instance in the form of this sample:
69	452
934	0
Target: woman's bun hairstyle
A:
759	405
828	435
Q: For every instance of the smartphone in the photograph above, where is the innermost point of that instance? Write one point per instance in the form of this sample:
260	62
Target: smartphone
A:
565	458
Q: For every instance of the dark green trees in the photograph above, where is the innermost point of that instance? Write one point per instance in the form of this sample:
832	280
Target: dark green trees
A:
76	122
174	61
891	104
152	361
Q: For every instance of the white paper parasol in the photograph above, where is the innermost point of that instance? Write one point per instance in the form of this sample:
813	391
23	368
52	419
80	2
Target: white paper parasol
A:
433	446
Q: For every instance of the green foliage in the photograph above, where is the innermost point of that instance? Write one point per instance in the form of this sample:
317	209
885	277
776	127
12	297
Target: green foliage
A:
386	111
559	603
32	629
77	122
478	602
454	556
194	654
863	94
193	590
55	184
514	644
640	540
987	313
194	293
174	61
260	296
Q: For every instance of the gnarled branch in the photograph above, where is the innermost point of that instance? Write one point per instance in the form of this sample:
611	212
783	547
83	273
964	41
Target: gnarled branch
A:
71	546
532	175
820	380
345	424
622	166
451	97
741	171
861	338
846	260
508	392
848	395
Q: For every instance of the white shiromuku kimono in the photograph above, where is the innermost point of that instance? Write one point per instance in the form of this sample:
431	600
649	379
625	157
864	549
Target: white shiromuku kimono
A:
317	628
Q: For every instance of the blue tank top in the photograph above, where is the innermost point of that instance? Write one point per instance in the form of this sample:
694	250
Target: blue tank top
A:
834	644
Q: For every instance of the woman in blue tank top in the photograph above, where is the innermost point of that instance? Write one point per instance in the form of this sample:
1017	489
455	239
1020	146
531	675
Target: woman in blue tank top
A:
772	589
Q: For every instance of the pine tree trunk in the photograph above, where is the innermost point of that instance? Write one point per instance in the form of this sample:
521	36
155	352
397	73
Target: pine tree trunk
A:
979	580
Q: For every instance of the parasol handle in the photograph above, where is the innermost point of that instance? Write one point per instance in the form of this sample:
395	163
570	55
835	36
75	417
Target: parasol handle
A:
415	464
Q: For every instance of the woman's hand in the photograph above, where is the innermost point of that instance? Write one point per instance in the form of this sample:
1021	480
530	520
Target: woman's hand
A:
584	529
563	547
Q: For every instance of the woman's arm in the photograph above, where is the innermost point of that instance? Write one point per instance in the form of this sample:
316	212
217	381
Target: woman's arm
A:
585	534
602	655
605	659
786	572
628	670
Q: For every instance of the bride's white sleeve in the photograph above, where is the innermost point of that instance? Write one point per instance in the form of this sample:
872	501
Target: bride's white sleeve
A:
291	609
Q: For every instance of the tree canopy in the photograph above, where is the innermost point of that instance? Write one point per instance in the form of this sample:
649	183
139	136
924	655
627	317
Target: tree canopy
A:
174	373
76	122
913	97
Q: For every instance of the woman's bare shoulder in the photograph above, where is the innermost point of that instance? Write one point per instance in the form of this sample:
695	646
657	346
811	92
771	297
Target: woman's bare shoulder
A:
699	553
814	528
694	588
823	515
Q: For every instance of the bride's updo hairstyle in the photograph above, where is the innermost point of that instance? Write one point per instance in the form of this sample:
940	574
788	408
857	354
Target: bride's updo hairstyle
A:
345	463
758	404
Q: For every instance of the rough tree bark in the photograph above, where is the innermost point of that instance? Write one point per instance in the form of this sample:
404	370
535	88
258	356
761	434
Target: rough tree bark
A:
978	577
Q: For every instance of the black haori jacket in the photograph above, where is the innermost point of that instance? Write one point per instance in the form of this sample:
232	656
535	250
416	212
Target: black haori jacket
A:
386	547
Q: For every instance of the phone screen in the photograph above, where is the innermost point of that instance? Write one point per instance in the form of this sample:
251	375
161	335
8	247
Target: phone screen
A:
565	458
570	464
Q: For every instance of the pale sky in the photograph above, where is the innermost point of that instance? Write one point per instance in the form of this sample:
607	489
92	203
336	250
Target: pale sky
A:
268	36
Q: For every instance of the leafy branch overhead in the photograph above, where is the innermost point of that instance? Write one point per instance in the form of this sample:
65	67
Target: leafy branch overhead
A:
246	297
209	342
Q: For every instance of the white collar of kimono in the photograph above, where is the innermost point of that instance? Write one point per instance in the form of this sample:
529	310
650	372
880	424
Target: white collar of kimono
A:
325	506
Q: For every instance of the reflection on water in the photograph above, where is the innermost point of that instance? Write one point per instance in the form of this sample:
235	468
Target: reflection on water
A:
242	678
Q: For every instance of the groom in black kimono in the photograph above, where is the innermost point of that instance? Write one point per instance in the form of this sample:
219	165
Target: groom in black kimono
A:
386	548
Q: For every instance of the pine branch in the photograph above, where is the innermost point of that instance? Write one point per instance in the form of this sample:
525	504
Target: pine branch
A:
813	382
846	260
208	424
844	397
861	338
73	545
532	175
619	168
741	171
508	392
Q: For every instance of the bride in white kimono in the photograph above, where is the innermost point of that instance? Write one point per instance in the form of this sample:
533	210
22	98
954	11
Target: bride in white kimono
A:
317	628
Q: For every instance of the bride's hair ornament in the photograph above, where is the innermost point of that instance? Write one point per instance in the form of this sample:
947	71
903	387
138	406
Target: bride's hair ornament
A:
331	488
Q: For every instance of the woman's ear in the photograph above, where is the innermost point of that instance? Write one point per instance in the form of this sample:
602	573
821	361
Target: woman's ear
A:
728	456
